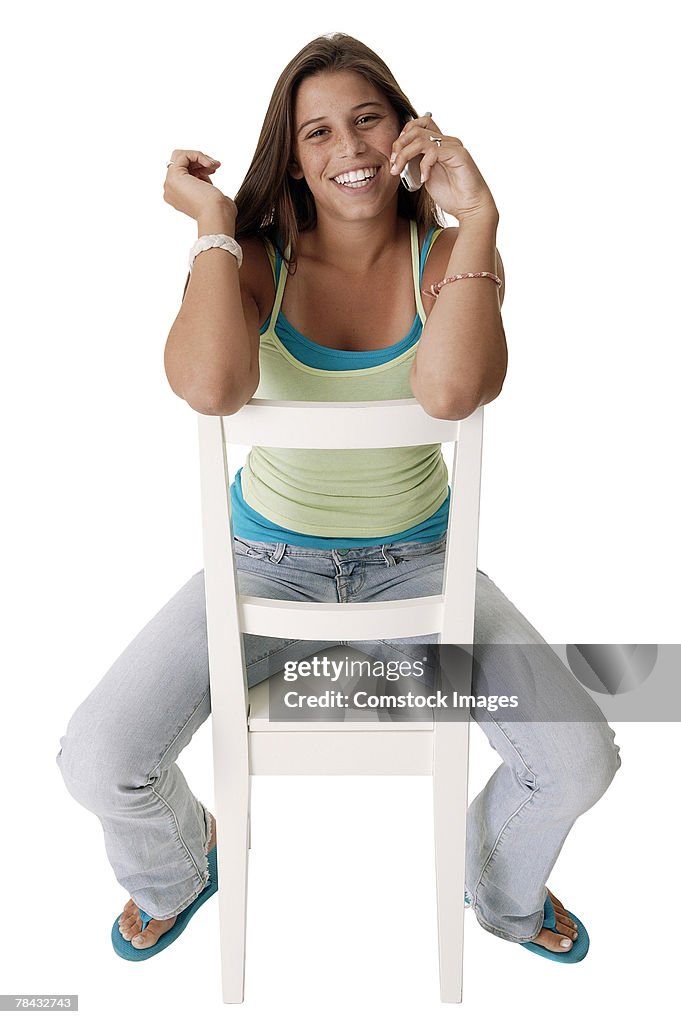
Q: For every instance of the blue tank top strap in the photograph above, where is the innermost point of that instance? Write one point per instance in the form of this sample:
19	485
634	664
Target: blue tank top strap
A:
279	285
425	248
431	235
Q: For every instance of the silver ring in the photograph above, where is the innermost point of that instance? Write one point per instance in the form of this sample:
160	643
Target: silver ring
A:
436	140
170	162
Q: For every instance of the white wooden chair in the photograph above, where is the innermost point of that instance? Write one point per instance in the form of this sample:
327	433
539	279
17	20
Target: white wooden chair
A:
246	743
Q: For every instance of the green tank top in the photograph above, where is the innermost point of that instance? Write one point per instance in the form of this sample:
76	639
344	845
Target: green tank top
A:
342	492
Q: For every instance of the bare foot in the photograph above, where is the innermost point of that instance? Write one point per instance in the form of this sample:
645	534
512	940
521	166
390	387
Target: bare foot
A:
130	922
564	924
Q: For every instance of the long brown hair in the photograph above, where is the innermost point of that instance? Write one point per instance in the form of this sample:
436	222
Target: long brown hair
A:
270	201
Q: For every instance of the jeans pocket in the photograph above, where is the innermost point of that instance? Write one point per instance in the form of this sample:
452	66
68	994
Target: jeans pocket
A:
247	550
413	550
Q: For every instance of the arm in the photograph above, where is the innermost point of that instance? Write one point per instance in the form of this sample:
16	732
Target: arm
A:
211	355
461	359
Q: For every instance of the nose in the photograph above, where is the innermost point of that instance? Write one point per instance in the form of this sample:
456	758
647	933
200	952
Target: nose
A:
351	142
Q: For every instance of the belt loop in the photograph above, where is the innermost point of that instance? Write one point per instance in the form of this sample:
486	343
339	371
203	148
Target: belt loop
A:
389	559
278	553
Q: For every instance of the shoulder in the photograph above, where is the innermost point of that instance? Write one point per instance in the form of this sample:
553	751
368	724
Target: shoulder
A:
438	258
255	276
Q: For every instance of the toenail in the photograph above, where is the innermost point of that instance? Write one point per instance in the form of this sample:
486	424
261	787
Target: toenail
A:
565	943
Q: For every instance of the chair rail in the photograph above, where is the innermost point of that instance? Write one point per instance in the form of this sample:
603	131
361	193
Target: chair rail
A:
393	423
309	620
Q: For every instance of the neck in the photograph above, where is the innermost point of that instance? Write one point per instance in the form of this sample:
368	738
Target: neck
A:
352	246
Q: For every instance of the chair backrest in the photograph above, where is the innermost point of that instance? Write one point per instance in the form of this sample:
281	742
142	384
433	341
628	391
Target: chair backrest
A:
324	425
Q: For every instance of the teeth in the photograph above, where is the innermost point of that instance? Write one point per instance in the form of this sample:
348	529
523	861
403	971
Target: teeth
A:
353	177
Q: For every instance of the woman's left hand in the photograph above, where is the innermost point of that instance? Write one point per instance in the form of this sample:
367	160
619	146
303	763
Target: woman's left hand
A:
448	170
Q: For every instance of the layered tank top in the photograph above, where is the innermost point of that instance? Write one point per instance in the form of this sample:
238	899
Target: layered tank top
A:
341	497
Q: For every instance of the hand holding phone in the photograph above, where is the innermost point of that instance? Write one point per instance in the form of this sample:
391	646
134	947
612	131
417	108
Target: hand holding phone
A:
410	174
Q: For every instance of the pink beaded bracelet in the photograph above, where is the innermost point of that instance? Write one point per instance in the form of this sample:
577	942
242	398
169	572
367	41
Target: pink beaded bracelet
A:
435	288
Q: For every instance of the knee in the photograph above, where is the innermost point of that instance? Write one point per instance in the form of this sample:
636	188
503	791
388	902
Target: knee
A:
587	767
601	766
95	761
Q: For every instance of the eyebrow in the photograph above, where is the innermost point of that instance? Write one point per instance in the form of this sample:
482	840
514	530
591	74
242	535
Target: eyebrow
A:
371	103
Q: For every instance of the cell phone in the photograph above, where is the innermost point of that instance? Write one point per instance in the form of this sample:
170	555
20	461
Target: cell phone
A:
411	175
411	172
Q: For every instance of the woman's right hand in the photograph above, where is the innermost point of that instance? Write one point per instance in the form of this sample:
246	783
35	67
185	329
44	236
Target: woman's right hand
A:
187	186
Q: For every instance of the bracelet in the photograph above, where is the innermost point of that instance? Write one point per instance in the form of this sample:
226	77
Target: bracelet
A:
435	288
215	242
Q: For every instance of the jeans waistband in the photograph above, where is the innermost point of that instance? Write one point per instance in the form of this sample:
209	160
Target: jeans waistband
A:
276	550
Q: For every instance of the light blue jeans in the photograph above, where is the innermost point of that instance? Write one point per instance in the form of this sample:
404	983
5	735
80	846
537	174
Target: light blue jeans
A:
118	756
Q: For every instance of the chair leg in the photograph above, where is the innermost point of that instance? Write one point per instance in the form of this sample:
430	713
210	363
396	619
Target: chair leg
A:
450	804
249	811
232	809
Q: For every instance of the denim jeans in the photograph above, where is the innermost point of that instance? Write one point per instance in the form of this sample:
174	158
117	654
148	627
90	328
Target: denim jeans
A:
118	756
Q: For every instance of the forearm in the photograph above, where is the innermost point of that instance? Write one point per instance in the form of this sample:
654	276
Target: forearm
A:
208	357
461	358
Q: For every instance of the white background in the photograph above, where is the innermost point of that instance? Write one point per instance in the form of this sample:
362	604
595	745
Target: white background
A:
569	113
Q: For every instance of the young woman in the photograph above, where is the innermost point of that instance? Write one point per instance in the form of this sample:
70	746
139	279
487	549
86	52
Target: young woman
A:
325	298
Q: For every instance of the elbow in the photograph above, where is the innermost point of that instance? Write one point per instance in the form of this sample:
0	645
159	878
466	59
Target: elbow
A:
457	403
208	407
222	403
445	410
450	404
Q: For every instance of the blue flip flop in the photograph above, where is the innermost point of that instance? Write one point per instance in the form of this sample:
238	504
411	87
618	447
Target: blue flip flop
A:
125	948
580	945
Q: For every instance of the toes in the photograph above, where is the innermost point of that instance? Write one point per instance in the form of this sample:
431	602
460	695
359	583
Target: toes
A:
130	927
152	933
130	922
565	930
555	900
566	921
147	937
553	942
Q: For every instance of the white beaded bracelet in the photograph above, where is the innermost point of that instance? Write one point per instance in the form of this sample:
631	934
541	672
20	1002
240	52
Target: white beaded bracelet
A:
215	242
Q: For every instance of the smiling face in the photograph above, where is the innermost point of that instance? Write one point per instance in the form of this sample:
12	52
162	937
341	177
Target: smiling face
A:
344	130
